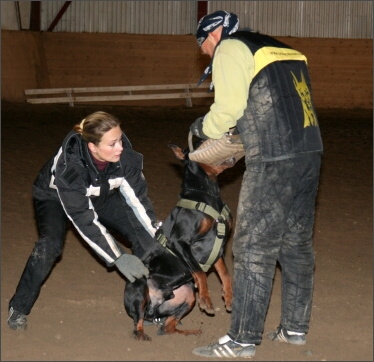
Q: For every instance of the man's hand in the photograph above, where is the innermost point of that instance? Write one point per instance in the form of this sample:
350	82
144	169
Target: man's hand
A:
196	128
131	267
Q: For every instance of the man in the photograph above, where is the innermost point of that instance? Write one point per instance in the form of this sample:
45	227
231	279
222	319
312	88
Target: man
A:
262	87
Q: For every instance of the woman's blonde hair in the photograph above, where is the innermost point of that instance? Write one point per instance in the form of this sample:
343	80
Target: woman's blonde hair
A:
93	127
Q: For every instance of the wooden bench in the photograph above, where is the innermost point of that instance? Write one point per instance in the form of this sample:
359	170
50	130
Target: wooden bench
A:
120	93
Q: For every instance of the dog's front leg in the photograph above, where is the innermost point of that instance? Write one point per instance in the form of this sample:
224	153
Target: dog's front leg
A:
225	277
199	276
204	301
189	226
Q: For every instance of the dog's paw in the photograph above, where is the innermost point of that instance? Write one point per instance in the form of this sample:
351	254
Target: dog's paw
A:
206	309
141	336
227	298
173	330
206	305
228	303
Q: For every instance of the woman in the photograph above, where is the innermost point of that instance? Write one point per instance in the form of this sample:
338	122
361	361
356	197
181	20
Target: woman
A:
95	180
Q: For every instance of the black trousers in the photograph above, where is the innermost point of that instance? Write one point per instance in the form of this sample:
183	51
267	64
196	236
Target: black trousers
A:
275	220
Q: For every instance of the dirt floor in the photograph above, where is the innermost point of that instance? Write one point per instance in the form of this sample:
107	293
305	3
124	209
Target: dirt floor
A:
79	315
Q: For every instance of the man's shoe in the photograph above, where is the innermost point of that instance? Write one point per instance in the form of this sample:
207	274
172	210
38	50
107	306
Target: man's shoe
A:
16	320
281	335
226	348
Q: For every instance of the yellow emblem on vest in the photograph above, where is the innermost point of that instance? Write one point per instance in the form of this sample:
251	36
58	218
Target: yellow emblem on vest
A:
310	118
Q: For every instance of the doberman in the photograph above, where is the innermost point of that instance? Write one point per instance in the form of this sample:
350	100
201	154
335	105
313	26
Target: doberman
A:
198	228
168	294
191	240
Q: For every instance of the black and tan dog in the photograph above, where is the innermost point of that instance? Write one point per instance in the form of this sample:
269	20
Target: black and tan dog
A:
167	294
197	229
192	239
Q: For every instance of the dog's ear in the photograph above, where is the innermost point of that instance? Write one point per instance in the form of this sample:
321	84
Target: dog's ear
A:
177	151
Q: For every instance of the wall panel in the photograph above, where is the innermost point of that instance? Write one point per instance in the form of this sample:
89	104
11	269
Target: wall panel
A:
319	19
316	19
341	69
134	17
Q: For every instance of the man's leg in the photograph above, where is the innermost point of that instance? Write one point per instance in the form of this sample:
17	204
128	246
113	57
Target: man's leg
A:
257	241
297	254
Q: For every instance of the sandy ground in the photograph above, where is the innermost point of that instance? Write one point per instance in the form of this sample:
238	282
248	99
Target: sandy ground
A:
79	315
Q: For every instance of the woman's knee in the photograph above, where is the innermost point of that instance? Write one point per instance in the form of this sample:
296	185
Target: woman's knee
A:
48	247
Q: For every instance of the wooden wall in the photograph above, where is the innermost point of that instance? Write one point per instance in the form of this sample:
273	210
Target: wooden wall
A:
341	69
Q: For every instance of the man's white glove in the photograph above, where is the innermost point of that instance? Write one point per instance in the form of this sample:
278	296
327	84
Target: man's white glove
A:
131	267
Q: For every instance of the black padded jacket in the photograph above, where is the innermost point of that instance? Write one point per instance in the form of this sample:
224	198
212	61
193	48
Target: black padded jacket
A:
279	121
71	177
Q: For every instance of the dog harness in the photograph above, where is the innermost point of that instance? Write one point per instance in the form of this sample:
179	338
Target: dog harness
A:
220	219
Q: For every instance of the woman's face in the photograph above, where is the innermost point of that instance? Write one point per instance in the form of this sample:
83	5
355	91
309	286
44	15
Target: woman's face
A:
110	147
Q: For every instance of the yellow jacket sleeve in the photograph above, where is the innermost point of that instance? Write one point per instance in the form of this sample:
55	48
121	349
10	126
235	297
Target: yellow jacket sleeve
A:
233	69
